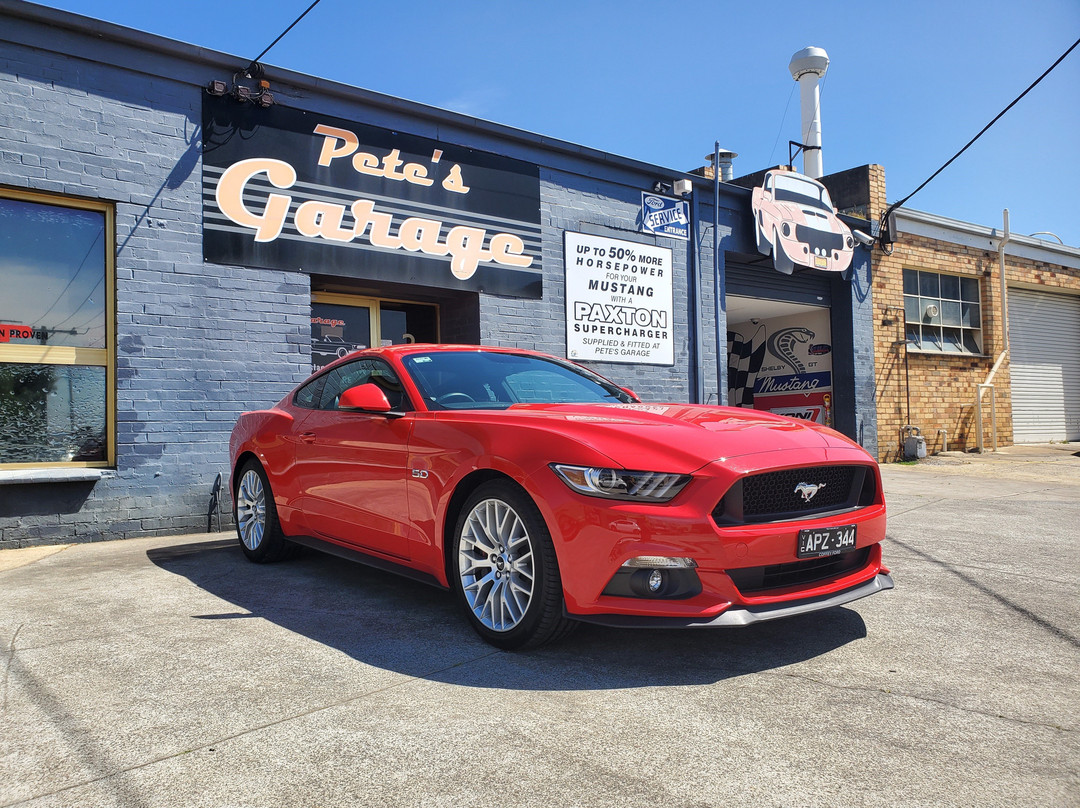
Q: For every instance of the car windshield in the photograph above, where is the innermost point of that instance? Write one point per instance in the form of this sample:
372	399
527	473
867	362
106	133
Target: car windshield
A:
469	380
787	188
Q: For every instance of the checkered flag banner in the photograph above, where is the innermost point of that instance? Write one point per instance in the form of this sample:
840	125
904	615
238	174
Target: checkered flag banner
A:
744	361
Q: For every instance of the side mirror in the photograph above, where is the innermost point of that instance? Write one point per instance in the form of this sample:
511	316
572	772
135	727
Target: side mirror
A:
364	398
631	393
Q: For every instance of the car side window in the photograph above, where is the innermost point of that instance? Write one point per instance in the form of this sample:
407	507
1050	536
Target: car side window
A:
363	371
309	395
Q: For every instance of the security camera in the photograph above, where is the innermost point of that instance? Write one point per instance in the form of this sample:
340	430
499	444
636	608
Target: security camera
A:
864	239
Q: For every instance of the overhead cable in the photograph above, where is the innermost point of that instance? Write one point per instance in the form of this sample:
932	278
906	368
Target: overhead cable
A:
255	62
1015	101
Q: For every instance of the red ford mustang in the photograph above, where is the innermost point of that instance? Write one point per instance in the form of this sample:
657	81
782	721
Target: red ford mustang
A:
544	495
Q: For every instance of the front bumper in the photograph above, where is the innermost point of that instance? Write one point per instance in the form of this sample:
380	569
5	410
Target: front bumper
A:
744	615
593	538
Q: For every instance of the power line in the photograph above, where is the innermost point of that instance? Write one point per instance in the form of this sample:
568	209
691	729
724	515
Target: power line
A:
82	264
255	61
783	120
1015	101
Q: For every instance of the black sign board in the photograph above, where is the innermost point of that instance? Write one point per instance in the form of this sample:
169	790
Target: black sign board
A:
289	189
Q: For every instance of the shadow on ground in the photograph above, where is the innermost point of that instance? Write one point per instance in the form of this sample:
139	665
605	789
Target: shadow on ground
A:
398	624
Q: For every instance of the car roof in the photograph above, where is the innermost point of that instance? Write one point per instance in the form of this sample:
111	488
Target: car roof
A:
424	348
421	347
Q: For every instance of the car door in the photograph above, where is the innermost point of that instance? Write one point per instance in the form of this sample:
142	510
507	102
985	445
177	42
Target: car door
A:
350	466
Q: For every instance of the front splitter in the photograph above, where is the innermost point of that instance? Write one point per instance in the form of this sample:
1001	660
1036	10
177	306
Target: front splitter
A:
744	615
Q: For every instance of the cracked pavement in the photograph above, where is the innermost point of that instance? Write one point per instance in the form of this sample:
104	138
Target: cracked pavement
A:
170	672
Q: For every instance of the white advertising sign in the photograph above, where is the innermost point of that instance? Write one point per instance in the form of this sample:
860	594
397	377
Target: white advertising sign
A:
618	301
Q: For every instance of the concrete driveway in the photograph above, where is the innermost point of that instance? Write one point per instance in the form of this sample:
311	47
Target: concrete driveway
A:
170	672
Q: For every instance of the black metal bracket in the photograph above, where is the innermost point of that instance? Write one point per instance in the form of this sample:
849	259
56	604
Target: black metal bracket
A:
799	149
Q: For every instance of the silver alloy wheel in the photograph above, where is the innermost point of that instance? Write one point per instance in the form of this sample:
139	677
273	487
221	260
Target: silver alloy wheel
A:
495	565
251	509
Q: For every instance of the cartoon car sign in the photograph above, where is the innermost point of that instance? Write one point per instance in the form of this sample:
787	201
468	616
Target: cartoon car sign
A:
797	223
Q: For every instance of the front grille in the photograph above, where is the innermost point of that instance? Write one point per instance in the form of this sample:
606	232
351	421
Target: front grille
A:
796	573
776	496
818	239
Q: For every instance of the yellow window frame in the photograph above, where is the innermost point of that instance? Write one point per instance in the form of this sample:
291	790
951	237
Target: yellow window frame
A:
65	355
373	305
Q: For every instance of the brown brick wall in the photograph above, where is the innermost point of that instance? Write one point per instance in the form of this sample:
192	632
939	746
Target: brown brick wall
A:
943	387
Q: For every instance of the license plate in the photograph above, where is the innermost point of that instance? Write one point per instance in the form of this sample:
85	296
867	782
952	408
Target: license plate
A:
826	541
820	262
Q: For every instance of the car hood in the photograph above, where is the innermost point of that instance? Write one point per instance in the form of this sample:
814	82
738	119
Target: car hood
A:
682	438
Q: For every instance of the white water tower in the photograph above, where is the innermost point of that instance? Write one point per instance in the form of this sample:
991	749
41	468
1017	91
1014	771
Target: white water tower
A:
807	67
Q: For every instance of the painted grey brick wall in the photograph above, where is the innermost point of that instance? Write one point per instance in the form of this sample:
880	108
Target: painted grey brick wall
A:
196	344
575	203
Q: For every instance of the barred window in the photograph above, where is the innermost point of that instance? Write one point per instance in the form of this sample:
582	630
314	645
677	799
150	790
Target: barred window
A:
57	385
942	312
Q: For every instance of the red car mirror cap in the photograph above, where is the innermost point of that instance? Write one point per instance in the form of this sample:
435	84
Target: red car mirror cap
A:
366	397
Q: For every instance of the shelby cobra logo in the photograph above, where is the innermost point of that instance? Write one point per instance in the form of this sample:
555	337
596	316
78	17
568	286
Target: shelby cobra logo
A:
808	490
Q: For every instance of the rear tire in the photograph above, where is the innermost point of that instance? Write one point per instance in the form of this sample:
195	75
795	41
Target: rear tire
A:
257	525
504	570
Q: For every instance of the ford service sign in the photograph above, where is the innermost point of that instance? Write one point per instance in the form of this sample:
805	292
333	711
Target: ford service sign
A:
664	216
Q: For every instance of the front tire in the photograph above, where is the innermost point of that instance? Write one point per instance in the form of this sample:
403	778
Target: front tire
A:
257	525
505	573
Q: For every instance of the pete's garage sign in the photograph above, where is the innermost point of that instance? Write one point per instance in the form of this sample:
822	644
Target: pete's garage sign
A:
288	189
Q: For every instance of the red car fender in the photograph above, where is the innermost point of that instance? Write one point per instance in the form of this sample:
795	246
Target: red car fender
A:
438	469
259	433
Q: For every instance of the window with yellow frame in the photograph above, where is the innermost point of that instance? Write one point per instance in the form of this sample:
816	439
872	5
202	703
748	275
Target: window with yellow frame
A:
343	323
57	331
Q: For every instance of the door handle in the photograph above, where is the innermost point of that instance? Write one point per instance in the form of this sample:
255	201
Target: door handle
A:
307	437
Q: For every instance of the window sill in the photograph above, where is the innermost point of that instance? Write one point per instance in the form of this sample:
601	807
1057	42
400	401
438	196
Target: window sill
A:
952	354
37	476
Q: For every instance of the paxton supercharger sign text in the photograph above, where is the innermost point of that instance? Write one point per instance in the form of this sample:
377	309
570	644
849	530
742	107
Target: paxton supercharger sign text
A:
288	189
619	302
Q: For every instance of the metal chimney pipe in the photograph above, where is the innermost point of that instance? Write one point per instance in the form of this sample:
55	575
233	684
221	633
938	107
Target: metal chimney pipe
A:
807	67
725	157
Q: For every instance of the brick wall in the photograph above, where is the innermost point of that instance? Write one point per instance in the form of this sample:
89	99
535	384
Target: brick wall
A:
196	344
943	386
588	205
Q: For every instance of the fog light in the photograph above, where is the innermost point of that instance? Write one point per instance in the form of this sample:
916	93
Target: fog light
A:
656	581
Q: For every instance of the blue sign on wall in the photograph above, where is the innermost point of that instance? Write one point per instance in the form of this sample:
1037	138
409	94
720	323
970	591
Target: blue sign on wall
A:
664	216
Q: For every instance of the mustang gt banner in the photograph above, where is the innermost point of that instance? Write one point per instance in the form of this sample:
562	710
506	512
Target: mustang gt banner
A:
618	301
783	365
289	189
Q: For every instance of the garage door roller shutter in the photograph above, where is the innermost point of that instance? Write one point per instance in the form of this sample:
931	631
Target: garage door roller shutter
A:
1044	338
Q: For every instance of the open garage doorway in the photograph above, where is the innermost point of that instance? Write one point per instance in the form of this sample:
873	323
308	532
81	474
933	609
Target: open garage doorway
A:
780	358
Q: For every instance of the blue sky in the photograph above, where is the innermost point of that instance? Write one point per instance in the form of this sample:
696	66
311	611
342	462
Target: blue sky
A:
908	85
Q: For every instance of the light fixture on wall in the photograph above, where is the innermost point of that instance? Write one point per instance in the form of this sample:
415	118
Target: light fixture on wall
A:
681	187
264	98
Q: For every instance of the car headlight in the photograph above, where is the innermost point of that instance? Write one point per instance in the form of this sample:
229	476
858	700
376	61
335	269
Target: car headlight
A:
637	486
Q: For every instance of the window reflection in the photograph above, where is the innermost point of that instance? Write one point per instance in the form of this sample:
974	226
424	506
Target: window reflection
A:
52	260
